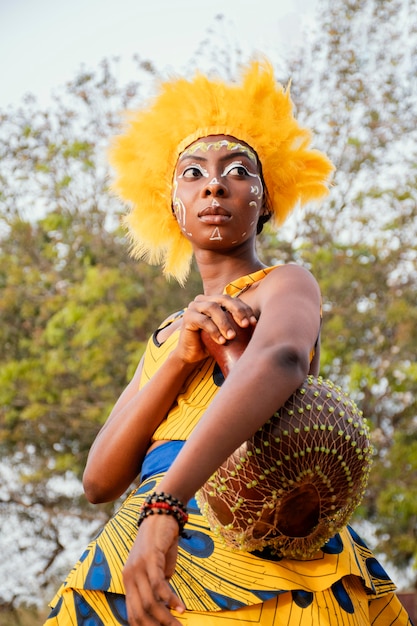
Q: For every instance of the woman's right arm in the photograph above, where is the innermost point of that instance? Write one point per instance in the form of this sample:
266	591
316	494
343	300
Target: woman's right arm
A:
116	455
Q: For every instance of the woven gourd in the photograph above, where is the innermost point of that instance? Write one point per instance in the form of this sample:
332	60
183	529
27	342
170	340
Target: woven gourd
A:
298	480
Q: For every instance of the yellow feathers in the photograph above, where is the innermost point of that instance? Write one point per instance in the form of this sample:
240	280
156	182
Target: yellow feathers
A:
257	111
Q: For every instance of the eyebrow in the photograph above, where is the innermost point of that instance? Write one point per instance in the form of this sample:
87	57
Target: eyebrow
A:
226	157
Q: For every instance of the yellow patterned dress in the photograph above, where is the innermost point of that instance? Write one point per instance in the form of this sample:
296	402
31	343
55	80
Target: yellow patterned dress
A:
342	585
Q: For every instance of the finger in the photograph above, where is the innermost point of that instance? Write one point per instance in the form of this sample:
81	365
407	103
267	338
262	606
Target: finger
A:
149	605
241	311
169	598
220	329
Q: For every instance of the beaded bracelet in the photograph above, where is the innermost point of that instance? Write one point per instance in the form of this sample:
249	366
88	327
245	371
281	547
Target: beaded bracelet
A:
161	503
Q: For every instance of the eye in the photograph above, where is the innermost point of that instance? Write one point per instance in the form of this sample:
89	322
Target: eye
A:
239	170
193	171
236	169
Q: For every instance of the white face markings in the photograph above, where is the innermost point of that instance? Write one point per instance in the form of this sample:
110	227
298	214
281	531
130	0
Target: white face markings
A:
194	169
215	235
233	165
257	190
237	165
179	209
187	173
217	145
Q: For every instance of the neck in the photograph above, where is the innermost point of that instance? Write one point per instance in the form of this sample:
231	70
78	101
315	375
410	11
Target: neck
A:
218	272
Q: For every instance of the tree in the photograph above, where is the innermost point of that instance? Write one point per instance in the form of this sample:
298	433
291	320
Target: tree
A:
75	309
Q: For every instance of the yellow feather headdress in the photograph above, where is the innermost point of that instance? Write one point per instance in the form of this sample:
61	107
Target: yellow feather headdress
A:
257	111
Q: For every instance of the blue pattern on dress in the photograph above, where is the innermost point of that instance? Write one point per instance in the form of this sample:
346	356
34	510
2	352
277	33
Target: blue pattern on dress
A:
197	544
85	614
375	569
218	377
302	598
98	576
334	545
342	597
193	507
224	602
85	554
156	463
145	488
117	604
266	595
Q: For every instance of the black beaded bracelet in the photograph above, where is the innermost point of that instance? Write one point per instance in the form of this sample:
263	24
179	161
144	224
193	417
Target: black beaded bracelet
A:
162	503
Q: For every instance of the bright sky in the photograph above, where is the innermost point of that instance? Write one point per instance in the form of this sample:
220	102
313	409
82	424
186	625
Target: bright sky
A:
43	43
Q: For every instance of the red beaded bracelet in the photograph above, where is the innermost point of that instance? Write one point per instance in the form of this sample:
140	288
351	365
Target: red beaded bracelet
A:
163	503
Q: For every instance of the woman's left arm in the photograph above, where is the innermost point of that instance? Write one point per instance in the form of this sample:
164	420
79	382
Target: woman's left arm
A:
274	364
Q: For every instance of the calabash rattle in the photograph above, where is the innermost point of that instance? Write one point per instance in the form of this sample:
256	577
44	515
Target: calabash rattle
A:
298	480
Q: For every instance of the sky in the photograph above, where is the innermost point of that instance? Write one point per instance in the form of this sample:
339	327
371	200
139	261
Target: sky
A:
43	43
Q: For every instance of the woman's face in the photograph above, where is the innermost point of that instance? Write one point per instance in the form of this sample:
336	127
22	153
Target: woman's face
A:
218	192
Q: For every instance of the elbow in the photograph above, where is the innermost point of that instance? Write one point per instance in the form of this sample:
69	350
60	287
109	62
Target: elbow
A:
292	361
98	489
95	491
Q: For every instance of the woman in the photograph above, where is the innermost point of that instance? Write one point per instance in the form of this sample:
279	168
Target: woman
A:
203	168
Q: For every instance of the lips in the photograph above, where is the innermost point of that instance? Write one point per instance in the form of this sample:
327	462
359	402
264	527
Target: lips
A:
214	215
213	211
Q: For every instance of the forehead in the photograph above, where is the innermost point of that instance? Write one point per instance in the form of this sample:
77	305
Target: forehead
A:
220	143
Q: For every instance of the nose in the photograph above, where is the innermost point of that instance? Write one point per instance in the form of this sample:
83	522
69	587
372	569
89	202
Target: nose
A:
215	188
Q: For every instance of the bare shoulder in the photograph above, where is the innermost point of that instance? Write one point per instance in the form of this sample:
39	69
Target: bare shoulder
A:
289	278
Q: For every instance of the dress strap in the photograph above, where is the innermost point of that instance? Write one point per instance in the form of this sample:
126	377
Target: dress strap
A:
238	286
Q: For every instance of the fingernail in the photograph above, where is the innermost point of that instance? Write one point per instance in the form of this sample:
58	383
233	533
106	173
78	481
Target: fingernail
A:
230	333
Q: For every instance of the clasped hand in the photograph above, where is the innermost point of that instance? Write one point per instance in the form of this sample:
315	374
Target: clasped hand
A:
209	313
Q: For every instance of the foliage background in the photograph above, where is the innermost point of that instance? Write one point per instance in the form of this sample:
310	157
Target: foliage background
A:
75	310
